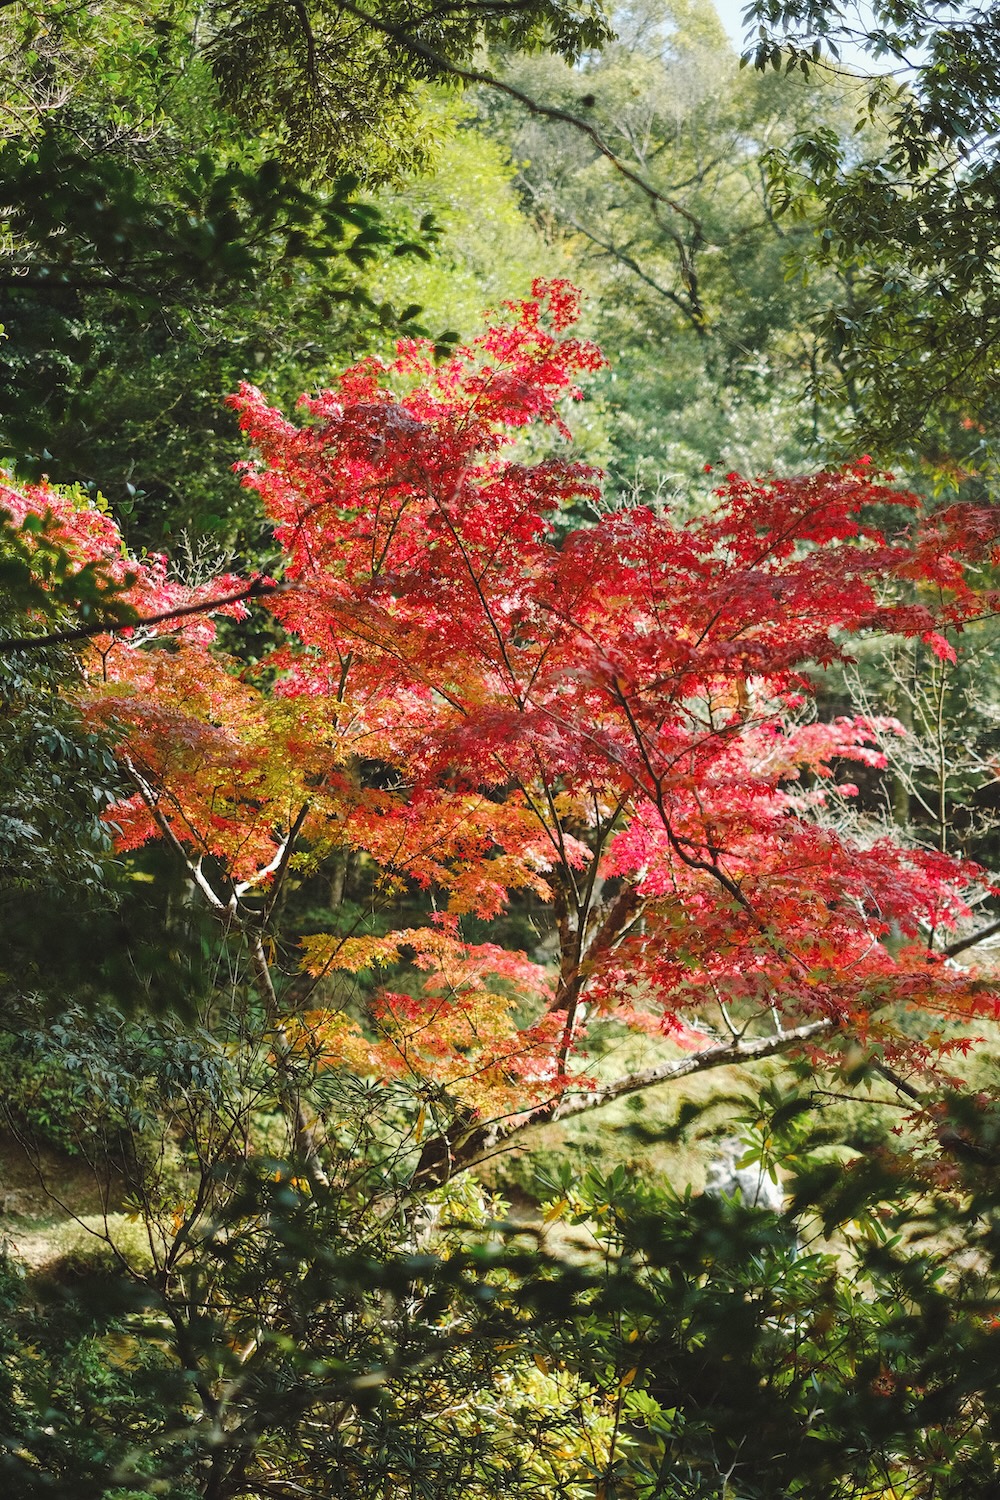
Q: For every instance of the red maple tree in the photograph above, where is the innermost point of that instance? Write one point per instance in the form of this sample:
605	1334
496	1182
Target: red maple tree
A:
616	719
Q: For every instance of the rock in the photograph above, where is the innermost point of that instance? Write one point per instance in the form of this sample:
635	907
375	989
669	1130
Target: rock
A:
725	1179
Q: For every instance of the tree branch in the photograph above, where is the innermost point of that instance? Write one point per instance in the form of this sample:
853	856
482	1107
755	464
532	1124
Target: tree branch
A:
307	1139
255	590
466	1143
720	1056
970	942
695	318
533	106
193	867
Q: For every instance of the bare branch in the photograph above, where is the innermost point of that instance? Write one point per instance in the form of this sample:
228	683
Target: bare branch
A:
694	317
466	1143
192	866
306	1136
697	1062
970	942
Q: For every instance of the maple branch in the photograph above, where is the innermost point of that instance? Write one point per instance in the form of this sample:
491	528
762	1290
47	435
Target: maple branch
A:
656	786
306	1139
953	1142
464	1144
481	595
697	1062
970	942
532	105
193	867
619	916
899	1084
244	887
254	590
284	855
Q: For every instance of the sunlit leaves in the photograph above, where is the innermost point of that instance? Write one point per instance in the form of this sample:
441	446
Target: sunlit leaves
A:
615	721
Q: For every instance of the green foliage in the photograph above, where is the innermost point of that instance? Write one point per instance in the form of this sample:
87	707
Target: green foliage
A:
741	1350
152	259
224	226
57	778
139	295
180	213
339	79
710	341
488	248
267	1334
76	922
643	1342
906	216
